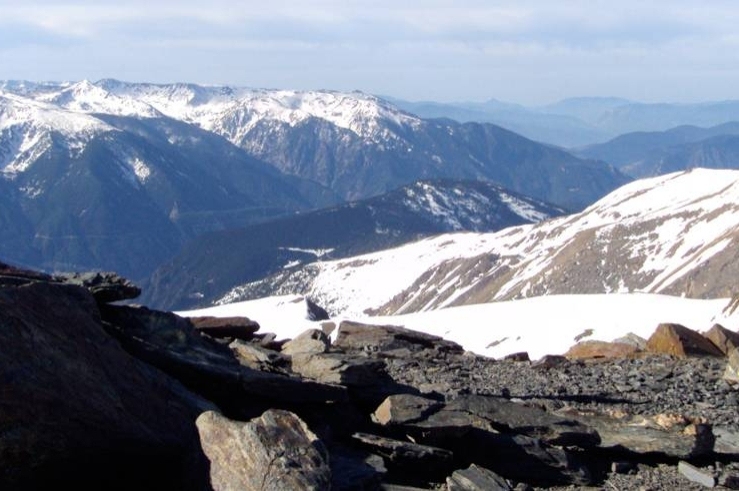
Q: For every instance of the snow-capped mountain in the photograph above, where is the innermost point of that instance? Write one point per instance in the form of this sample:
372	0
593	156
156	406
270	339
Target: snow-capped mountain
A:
87	189
355	144
211	265
676	234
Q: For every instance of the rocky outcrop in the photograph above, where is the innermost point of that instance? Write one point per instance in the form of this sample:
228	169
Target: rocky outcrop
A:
274	452
677	340
79	412
90	389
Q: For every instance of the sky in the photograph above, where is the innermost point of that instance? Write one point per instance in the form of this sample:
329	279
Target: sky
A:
528	51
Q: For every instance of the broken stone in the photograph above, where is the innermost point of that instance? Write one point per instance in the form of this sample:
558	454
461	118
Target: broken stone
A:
409	456
520	356
550	361
259	358
731	372
338	368
372	338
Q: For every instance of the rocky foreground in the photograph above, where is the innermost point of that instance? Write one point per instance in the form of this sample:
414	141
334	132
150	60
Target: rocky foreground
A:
103	396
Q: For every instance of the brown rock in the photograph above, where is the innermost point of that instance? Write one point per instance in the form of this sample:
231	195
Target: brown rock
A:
274	452
724	339
677	340
226	327
600	349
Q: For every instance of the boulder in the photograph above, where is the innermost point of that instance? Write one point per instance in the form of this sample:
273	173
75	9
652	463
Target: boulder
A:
677	340
105	287
724	339
476	478
550	361
634	340
600	349
696	475
339	368
520	356
226	327
310	341
77	411
275	452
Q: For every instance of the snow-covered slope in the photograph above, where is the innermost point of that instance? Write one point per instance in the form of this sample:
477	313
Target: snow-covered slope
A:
539	326
676	234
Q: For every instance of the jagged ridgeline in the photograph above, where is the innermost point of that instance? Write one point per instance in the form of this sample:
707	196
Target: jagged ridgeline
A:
119	176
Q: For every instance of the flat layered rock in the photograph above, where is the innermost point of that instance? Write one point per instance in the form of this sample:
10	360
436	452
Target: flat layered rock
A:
274	452
407	454
661	435
226	327
476	478
339	368
106	287
374	338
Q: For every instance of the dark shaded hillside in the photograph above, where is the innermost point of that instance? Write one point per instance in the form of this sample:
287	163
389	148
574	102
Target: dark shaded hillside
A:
211	265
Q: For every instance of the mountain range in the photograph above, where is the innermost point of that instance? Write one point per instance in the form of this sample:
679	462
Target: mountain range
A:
674	234
646	154
581	121
115	175
212	264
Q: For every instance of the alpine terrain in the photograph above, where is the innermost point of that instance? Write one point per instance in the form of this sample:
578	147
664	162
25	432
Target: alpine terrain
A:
212	264
674	234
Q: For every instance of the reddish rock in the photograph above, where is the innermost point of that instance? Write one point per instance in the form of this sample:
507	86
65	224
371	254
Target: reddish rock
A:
724	339
601	349
677	340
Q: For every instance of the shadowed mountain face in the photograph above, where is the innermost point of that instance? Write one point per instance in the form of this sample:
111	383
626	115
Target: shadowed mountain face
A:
212	264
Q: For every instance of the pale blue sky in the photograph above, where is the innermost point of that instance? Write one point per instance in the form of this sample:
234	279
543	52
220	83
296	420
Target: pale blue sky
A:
527	51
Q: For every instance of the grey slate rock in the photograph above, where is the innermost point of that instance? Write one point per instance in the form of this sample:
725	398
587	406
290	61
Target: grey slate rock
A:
226	327
476	478
106	287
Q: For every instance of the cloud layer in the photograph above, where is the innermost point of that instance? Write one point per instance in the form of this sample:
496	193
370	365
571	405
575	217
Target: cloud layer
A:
528	51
